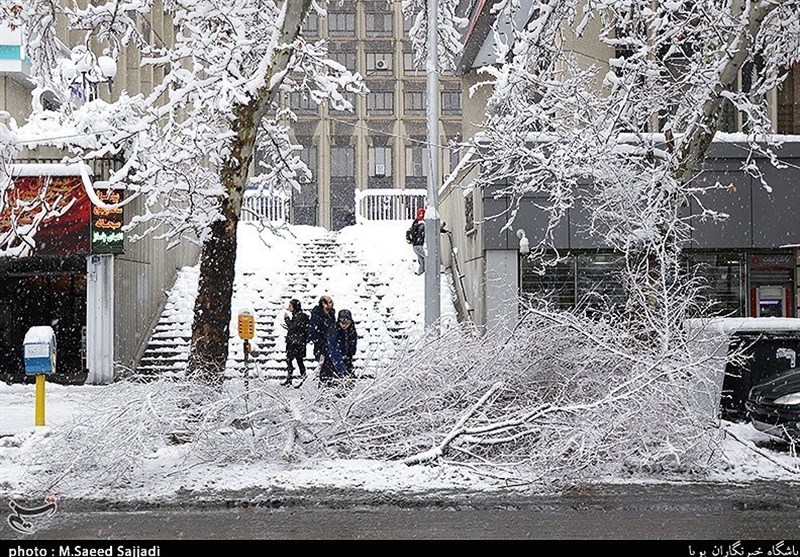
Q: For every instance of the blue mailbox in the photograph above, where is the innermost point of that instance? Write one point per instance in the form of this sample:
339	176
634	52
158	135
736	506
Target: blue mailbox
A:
40	351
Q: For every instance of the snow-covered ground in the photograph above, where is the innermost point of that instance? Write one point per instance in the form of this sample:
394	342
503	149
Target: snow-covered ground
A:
164	476
164	473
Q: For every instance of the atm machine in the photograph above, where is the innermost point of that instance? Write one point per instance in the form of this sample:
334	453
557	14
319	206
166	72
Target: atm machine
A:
771	301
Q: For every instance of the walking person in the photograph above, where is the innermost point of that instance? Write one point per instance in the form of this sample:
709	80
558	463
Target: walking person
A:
296	322
322	319
350	217
342	341
415	236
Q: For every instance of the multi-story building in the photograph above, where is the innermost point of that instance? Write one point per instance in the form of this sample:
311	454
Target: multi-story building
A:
382	143
101	298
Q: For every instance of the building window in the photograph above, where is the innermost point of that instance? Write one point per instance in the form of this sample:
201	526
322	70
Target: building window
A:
379	24
722	280
380	161
469	211
451	102
309	156
409	67
346	59
311	24
727	117
591	281
452	155
415	102
417	160
352	98
788	101
379	62
408	23
380	102
302	104
343	161
599	281
341	23
556	284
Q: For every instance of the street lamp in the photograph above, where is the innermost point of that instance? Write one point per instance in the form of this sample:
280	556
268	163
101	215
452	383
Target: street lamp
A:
432	279
524	245
83	71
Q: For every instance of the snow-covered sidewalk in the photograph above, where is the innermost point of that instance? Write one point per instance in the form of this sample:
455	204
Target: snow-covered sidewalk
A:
172	472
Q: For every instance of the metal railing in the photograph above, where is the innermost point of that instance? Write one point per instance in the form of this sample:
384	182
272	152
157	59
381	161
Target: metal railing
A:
388	204
458	278
264	207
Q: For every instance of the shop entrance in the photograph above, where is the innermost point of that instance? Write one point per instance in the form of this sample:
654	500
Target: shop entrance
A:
39	291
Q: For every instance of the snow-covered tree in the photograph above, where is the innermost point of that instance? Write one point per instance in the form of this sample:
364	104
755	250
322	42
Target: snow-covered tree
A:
188	144
625	133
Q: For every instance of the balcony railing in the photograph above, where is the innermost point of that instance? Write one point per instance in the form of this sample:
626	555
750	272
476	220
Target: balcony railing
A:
371	205
264	207
389	204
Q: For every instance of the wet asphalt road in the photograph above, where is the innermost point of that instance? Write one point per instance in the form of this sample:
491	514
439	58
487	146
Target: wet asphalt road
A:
759	511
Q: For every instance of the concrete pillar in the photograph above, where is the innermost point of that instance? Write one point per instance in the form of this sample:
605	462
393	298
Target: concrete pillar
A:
100	319
502	289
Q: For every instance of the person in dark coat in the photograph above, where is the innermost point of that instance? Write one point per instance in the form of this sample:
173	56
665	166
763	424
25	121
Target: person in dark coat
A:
296	322
416	237
323	317
342	343
350	217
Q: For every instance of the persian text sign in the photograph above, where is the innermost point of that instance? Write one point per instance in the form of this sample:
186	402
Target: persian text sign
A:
107	235
44	215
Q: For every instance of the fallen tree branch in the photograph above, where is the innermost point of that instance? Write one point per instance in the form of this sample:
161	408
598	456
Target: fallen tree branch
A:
459	429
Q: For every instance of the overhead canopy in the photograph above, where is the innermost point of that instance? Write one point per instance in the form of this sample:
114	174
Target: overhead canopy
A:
48	169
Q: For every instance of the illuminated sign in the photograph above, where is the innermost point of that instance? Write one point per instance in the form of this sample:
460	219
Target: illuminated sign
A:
106	232
44	215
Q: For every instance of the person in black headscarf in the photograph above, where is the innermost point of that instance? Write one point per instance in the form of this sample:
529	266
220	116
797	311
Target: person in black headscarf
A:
296	321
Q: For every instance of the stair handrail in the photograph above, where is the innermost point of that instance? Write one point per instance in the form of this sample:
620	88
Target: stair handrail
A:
466	306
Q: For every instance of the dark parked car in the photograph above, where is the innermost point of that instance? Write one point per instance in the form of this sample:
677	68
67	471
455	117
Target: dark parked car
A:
773	405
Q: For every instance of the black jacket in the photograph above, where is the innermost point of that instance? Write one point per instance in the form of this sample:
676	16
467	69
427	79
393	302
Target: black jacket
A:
318	328
297	330
417	231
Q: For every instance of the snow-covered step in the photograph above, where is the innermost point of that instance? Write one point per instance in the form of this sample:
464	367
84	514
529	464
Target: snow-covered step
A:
311	268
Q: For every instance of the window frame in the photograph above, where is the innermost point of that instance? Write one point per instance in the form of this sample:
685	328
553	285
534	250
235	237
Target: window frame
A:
374	157
374	17
349	27
417	160
384	107
410	99
336	169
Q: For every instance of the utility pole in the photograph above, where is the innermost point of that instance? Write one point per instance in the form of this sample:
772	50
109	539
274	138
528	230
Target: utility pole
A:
432	279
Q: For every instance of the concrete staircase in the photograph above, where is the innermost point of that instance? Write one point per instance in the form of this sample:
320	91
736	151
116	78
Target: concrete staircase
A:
322	265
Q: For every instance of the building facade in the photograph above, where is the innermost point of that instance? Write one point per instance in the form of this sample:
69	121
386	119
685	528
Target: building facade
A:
382	143
100	292
750	262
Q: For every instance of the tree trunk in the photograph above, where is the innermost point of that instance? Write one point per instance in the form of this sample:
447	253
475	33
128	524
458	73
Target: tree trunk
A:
212	309
695	141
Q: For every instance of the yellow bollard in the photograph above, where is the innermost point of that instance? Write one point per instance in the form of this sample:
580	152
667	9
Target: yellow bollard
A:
40	399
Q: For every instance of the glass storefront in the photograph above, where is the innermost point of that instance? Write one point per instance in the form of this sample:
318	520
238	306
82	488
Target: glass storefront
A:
721	276
586	280
556	285
732	283
599	281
